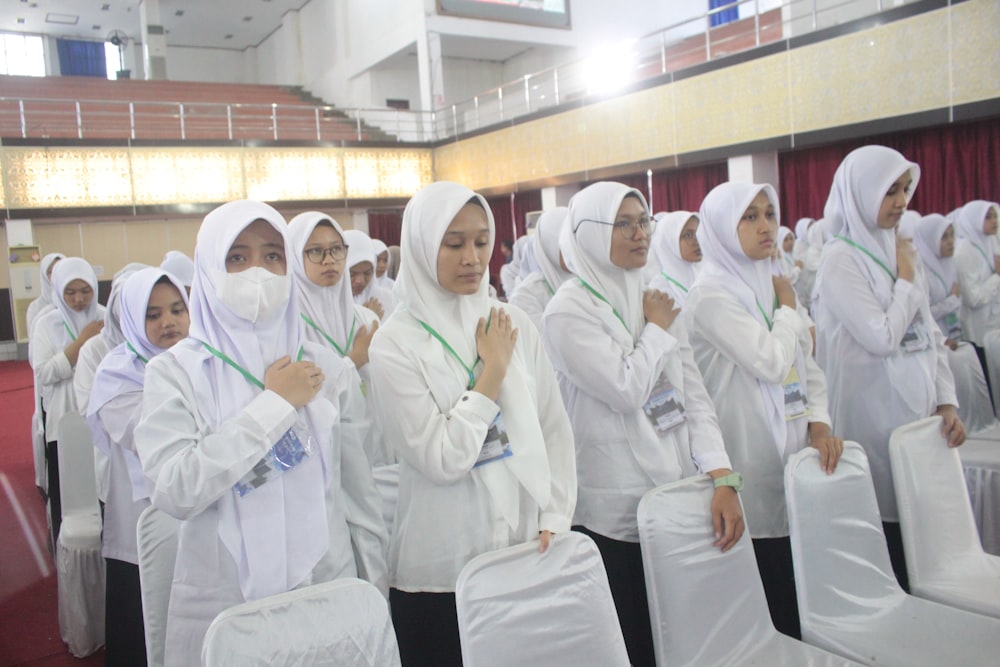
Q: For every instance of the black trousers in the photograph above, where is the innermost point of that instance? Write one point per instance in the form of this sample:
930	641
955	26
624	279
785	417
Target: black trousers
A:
124	635
774	561
981	353
894	540
426	628
623	562
55	504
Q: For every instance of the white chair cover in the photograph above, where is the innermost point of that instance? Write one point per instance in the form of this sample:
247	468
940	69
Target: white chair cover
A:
974	405
517	606
156	536
344	622
79	564
387	483
707	608
944	558
849	601
980	456
991	345
38	451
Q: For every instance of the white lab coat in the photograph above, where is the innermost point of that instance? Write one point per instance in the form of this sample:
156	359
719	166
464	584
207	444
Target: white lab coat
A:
189	468
980	293
619	454
36	308
734	351
87	361
875	386
678	294
532	295
445	515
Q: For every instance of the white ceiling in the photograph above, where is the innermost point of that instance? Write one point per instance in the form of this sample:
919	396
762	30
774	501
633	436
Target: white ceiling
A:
205	23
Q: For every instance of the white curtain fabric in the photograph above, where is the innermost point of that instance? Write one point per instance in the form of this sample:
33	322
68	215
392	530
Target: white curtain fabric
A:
980	457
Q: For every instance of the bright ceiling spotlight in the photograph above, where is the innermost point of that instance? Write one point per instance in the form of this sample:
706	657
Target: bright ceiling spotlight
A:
610	68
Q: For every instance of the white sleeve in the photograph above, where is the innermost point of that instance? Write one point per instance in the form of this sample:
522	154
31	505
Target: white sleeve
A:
846	292
582	350
944	379
188	469
83	377
442	445
975	291
119	417
49	362
707	447
728	327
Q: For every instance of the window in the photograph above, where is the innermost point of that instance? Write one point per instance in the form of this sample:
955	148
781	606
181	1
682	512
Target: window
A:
21	55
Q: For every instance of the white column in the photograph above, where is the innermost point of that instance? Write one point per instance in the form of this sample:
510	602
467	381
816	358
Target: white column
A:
154	40
756	168
558	195
359	220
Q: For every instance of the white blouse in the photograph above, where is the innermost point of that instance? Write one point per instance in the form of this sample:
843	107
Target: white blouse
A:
532	295
87	361
979	286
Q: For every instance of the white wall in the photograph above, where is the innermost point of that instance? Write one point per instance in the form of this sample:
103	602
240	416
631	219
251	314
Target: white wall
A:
186	63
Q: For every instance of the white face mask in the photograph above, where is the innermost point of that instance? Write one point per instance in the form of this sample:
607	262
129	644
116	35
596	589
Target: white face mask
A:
254	294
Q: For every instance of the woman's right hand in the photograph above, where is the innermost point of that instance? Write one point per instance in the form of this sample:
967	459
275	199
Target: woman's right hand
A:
906	259
495	343
375	306
955	290
362	341
784	291
658	308
91	330
295	381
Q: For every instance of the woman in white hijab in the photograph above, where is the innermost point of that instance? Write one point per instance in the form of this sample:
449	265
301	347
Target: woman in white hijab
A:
361	261
976	265
244	437
58	336
754	350
785	264
154	316
332	319
637	403
44	300
801	255
883	355
180	266
382	265
470	404
510	273
675	247
533	293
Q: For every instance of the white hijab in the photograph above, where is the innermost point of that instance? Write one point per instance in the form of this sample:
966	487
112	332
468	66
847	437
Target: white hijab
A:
785	262
112	331
529	262
927	234
455	318
666	247
586	250
123	370
46	280
969	225
179	265
727	267
330	308
547	232
361	249
859	186
73	322
385	282
278	533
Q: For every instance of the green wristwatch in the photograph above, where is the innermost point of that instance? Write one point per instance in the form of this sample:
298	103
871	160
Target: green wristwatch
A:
733	479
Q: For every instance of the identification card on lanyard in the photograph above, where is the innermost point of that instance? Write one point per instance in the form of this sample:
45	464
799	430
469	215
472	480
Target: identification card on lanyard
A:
916	339
664	409
953	327
287	453
796	403
497	445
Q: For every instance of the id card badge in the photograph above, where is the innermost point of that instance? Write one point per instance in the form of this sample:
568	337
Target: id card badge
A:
796	404
953	327
915	339
496	446
287	453
664	408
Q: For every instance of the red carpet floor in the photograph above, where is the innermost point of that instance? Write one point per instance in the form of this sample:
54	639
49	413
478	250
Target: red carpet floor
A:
29	626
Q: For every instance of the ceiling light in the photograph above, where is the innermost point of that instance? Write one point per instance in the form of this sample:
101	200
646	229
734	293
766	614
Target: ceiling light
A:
20	21
179	12
248	18
61	19
105	7
610	68
229	36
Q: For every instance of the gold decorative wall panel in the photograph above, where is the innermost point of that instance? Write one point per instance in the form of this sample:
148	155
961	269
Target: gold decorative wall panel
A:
374	173
187	175
64	177
294	173
975	49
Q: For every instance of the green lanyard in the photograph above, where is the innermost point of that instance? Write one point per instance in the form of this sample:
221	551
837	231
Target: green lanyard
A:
601	297
867	252
69	331
468	369
350	337
993	268
938	276
552	292
674	281
766	318
247	375
136	353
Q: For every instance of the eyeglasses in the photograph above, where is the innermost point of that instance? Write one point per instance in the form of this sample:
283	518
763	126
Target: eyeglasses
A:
317	255
627	227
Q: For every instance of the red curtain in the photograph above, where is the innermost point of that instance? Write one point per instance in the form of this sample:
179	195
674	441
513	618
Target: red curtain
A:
958	163
524	202
677	189
385	226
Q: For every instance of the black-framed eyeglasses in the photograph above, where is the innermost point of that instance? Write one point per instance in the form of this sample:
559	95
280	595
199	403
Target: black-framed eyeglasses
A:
627	228
317	255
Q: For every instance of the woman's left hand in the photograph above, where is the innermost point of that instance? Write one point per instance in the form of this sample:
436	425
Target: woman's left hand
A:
727	517
952	427
830	448
544	537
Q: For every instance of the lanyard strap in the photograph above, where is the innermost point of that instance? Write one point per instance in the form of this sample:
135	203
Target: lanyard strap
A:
993	268
449	348
865	250
601	297
947	288
136	353
764	315
552	292
69	331
350	336
663	273
247	375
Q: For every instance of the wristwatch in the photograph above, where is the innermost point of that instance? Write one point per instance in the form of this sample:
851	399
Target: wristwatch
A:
733	479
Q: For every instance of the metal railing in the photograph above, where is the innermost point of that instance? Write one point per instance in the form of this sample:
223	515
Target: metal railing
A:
675	47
